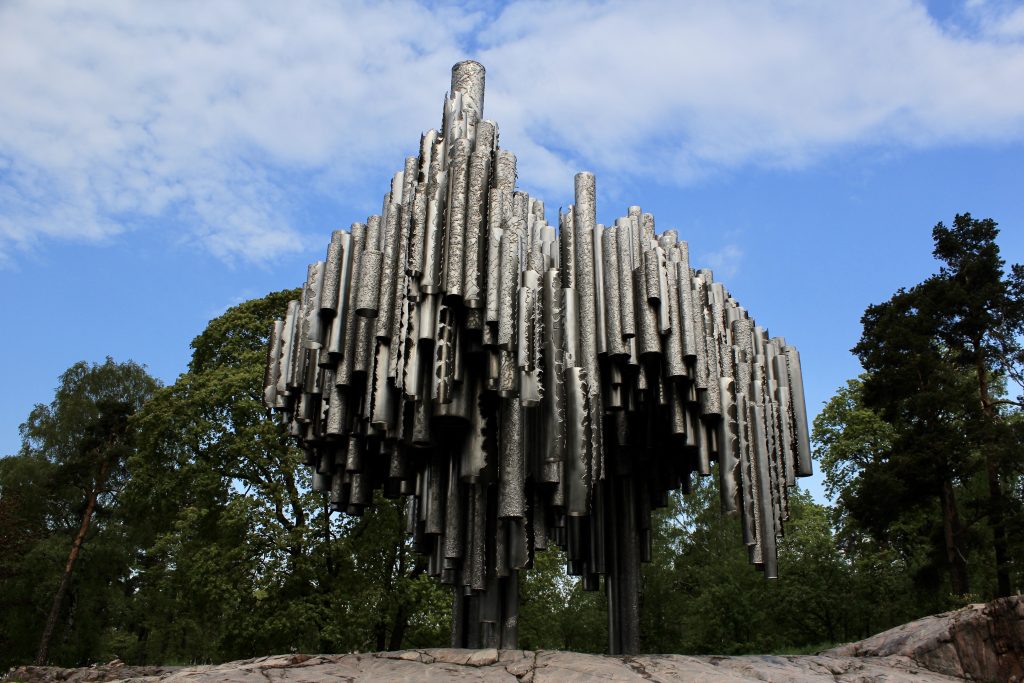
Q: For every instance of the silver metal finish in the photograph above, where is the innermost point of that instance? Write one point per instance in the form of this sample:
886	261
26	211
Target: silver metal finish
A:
524	387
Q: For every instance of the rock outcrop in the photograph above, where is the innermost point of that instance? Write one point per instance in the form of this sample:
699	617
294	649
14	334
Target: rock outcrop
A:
507	666
982	642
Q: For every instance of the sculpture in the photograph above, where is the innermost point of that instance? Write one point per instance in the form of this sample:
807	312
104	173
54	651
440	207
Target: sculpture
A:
523	387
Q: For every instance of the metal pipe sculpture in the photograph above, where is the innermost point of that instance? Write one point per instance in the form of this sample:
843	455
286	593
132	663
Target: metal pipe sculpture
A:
522	386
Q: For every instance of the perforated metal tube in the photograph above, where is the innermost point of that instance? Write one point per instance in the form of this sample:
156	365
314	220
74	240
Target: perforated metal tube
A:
524	387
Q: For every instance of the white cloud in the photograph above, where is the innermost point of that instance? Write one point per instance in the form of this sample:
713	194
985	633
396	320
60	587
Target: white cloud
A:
725	262
657	87
997	19
203	115
224	119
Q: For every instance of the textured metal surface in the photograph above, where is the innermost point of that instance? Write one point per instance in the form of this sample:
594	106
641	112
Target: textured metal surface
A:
336	337
476	212
332	274
369	289
468	79
508	288
525	387
455	230
599	287
624	240
614	340
312	321
388	271
585	224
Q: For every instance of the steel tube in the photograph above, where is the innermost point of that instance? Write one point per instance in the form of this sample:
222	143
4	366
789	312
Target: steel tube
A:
459	351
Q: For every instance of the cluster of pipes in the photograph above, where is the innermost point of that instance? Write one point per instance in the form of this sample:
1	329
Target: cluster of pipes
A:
525	387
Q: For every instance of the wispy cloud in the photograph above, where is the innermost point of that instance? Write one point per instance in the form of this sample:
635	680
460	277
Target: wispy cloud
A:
724	262
210	117
222	120
674	89
998	19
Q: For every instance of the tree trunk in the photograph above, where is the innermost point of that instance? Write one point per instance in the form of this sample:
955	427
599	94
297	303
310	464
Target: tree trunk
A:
401	620
398	626
995	495
328	537
391	577
65	579
951	534
995	489
293	497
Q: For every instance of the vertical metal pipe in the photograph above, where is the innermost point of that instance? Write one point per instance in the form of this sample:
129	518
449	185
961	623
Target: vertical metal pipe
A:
512	484
476	213
601	340
728	449
505	172
414	265
508	289
567	248
468	78
433	239
796	384
495	219
675	362
578	441
624	239
312	324
287	340
332	274
585	209
388	272
273	364
339	322
455	230
369	289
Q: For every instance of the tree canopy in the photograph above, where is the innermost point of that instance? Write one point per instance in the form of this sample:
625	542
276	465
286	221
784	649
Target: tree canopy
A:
938	360
58	495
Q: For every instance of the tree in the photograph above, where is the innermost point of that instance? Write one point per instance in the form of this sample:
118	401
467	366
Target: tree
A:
914	387
555	613
237	555
853	445
27	527
937	357
702	595
226	521
73	457
393	602
980	318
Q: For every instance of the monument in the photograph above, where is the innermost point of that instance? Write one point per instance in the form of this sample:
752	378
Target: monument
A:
523	386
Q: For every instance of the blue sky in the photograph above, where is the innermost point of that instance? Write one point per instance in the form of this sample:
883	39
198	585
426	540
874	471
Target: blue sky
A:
161	163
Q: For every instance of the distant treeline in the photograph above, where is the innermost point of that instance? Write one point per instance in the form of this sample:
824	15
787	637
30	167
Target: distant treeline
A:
174	525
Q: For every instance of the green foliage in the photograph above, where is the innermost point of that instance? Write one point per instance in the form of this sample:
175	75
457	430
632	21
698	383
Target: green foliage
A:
555	613
66	481
702	595
854	446
208	543
849	438
585	621
237	555
937	358
215	489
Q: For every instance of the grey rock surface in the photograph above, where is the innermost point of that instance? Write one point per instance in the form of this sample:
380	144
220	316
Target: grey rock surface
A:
507	666
983	642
